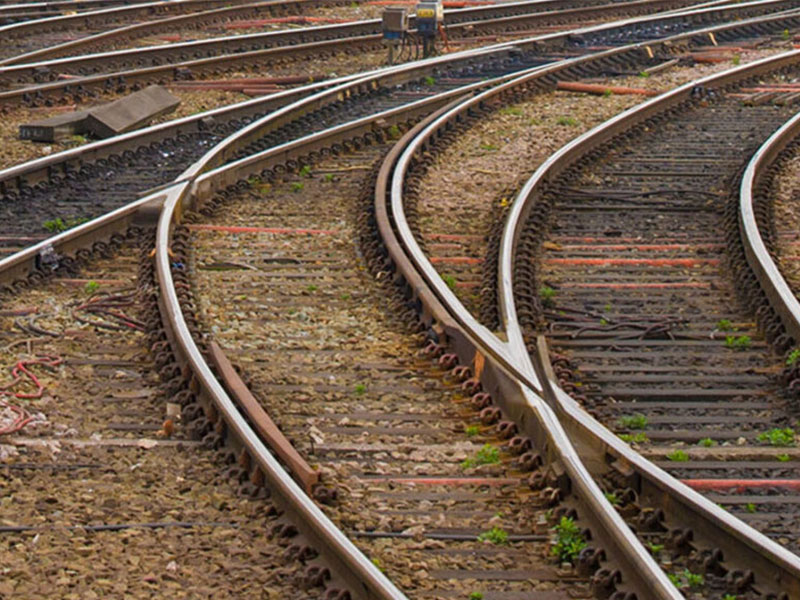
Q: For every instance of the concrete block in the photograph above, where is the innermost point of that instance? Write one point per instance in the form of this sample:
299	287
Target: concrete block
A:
131	112
55	128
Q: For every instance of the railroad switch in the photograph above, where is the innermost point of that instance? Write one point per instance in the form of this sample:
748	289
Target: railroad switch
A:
430	16
395	30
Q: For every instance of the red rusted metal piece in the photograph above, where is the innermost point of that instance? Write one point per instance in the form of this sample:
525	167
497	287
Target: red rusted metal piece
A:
262	422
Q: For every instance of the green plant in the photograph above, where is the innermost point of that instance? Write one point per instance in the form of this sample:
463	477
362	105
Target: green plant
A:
312	288
724	325
655	548
253	180
489	147
394	132
360	388
476	596
55	225
794	355
678	456
429	80
345	297
694	580
569	540
567	121
472	430
297	186
612	498
450	281
305	171
636	438
736	59
750	507
706	443
487	455
737	343
547	295
729	597
783	457
79	139
785	34
644	74
603	322
637	421
91	287
511	110
377	563
778	436
607	93
328	177
607	307
495	535
676	580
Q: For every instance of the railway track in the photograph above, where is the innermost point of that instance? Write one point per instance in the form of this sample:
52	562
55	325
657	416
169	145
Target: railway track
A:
216	408
102	495
112	173
30	40
43	70
279	48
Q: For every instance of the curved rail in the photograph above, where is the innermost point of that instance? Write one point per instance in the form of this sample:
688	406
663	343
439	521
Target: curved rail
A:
193	19
779	294
331	38
29	174
362	576
770	561
205	48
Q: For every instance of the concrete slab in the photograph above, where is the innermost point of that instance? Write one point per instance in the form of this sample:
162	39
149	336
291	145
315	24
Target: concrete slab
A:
55	128
131	112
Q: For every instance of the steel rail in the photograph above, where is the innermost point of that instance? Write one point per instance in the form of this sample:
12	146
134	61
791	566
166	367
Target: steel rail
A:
780	296
196	19
101	16
364	37
176	196
280	108
30	174
526	404
771	563
271	39
362	577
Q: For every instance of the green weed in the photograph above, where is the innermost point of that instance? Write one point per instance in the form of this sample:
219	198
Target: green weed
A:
91	287
297	186
547	295
567	121
778	436
450	281
633	421
794	355
737	343
635	438
305	171
360	388
706	443
495	535
569	540
678	456
724	325
472	430
487	455
783	458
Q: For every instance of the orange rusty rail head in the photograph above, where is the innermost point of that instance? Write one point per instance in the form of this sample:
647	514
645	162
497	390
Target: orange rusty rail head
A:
262	422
